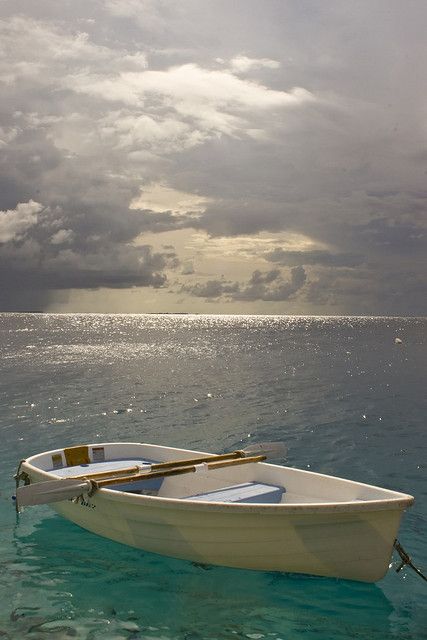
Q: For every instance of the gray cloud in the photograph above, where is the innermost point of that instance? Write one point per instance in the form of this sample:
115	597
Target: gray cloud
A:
38	255
271	287
212	289
301	122
403	237
367	292
268	287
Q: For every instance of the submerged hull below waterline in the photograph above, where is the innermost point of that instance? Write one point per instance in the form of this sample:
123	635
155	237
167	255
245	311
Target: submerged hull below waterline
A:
342	539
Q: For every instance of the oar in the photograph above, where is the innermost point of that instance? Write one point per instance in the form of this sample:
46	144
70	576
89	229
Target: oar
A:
57	490
269	449
51	491
176	471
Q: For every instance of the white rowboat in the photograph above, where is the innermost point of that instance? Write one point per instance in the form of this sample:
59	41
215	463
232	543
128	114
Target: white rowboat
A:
251	516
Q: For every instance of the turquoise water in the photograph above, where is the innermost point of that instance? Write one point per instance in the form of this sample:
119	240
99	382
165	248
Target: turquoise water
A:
345	398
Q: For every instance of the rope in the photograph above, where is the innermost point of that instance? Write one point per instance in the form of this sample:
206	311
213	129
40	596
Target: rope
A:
406	560
20	475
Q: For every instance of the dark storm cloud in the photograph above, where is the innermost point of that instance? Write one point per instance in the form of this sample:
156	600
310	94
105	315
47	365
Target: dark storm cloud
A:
285	120
271	287
366	292
267	287
402	237
43	250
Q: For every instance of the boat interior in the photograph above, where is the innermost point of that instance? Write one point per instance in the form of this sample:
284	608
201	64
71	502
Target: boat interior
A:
257	483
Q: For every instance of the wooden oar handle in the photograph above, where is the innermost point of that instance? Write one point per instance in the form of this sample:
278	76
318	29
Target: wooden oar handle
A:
230	463
175	471
199	460
143	476
161	465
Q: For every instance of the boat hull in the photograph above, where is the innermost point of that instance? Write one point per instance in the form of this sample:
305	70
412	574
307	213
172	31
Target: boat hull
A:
355	546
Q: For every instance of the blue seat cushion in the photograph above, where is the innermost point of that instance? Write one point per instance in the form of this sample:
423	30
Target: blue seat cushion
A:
251	492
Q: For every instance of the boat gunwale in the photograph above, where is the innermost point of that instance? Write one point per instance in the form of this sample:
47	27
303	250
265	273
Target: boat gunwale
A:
400	501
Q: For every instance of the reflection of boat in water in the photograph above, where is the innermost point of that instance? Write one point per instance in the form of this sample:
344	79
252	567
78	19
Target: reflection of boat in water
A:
252	516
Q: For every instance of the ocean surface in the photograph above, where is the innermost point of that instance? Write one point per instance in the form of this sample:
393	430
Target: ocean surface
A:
345	398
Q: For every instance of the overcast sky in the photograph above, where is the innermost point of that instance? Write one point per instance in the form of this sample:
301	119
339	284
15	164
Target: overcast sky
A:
254	156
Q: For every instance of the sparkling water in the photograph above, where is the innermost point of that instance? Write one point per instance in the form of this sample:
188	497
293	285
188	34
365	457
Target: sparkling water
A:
346	397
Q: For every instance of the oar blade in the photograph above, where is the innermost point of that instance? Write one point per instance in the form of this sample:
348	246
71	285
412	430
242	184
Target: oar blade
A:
268	449
50	491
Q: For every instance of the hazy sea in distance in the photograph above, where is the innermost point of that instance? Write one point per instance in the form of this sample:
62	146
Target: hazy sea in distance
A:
345	398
